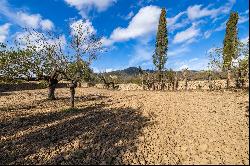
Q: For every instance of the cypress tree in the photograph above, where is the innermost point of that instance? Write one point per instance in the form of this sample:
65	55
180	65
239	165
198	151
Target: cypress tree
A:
161	46
230	44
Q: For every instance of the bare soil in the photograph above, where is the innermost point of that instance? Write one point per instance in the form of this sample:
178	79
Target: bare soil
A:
124	127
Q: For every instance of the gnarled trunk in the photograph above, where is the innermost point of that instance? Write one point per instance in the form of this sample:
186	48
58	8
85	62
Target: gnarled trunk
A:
72	87
51	95
52	88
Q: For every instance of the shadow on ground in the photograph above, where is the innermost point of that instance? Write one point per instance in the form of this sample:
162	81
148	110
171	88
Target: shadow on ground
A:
44	103
11	126
91	135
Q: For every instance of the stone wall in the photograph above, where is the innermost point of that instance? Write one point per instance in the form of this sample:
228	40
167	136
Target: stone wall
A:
26	86
191	85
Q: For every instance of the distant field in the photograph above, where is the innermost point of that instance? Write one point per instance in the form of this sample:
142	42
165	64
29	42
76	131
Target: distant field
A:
124	127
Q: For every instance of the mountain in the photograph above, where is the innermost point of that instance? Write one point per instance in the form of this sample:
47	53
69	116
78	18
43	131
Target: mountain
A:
131	71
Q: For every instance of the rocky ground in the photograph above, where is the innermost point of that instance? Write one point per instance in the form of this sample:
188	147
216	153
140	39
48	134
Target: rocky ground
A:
124	127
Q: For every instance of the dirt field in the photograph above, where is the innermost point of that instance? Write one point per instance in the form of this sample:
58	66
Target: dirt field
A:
124	127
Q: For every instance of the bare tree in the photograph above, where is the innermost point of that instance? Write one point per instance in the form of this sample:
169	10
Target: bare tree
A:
85	46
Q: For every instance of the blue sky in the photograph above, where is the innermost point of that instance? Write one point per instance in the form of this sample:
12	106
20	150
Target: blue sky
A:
129	27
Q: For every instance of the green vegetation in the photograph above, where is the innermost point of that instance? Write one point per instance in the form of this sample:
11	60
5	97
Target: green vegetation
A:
161	46
230	44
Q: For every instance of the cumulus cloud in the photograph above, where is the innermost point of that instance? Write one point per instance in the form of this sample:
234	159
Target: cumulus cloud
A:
87	27
84	6
198	11
25	19
4	31
47	24
142	24
129	16
187	35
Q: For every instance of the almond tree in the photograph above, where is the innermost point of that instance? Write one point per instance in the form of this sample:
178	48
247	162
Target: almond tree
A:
85	47
50	60
42	56
35	56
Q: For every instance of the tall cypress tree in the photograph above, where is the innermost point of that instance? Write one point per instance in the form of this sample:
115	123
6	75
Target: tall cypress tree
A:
230	44
161	46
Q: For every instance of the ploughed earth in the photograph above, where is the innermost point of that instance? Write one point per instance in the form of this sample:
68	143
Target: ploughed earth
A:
124	127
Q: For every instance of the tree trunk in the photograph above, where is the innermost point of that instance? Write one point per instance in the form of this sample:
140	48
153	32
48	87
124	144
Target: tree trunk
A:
51	95
72	97
228	78
175	82
210	82
72	87
186	83
244	78
52	88
239	79
79	84
160	76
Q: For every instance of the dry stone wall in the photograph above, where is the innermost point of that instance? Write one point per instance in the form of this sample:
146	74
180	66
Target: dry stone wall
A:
191	85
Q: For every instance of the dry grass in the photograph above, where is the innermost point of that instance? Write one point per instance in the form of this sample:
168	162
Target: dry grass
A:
124	127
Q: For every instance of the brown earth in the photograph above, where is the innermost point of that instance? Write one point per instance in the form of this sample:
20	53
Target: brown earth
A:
124	127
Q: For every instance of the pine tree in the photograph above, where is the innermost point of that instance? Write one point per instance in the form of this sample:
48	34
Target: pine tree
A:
230	44
161	46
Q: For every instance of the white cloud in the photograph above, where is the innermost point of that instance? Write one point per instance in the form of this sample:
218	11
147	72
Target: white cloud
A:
29	20
129	16
243	17
178	51
109	70
83	30
183	67
85	27
173	23
196	11
84	6
245	39
207	34
4	31
192	64
106	42
142	24
142	54
187	35
25	19
221	27
47	24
